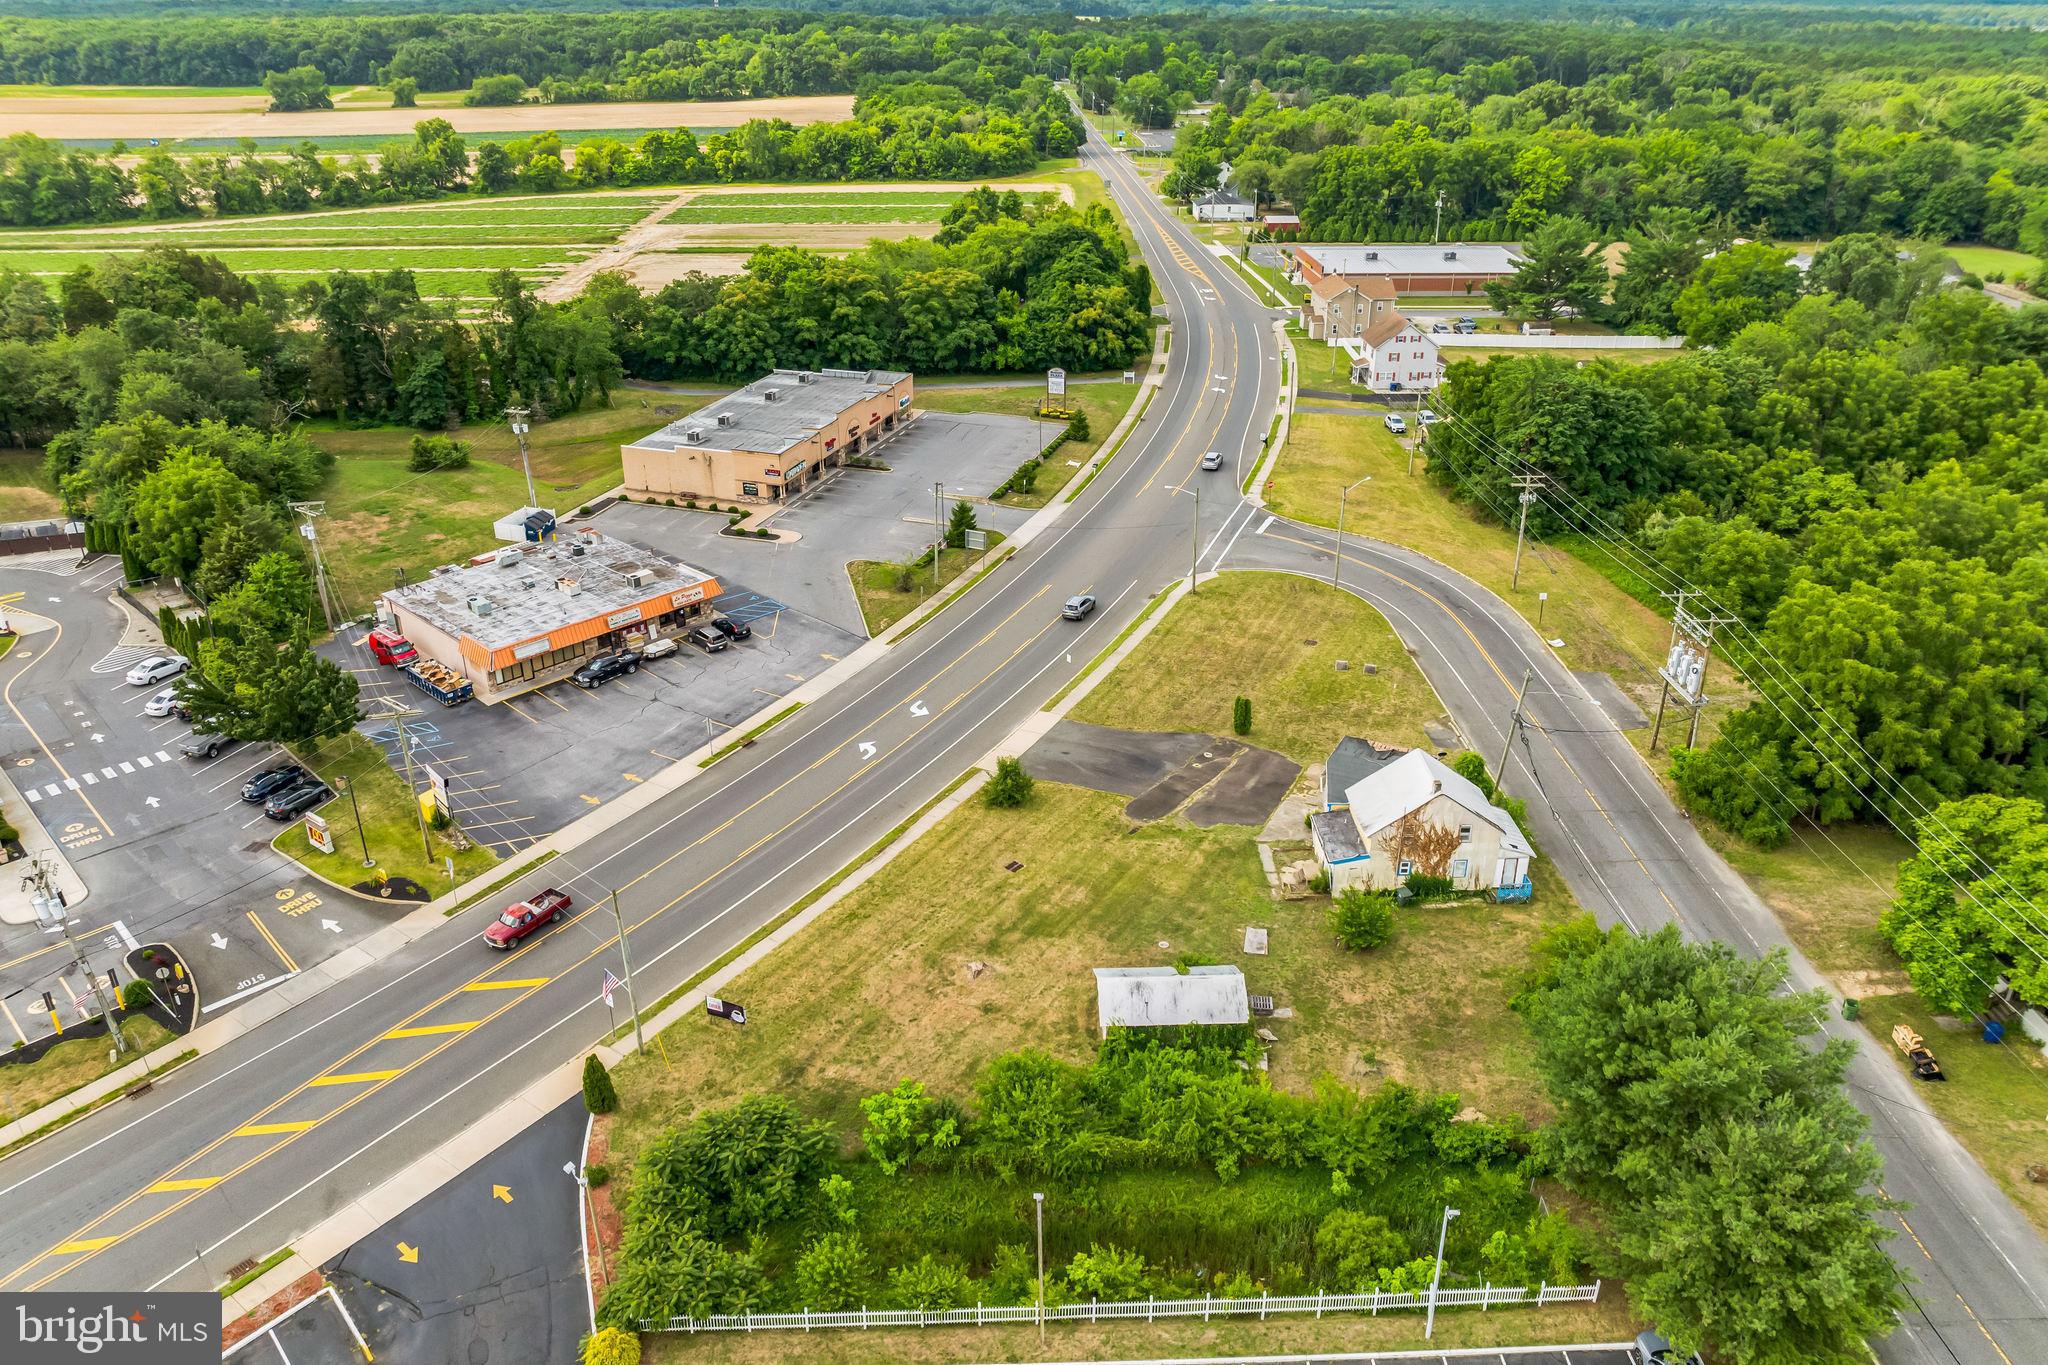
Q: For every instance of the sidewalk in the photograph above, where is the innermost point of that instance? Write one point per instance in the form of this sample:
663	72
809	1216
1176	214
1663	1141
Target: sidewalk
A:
15	905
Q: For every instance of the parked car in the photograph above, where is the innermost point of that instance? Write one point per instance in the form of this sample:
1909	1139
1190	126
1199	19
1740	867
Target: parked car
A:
157	668
1078	606
521	918
605	667
1652	1349
273	780
200	744
1396	423
709	640
161	703
1465	326
1439	327
731	629
658	648
288	802
1213	460
1427	418
389	647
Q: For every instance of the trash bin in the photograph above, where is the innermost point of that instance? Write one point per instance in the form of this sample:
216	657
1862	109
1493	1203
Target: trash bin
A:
1994	1030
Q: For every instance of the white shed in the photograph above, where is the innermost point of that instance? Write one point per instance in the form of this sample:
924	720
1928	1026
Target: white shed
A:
1157	997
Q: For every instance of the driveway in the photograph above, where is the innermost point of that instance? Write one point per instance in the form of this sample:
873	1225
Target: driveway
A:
855	514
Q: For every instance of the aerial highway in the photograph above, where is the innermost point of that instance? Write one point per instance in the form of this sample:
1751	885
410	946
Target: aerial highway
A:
254	1143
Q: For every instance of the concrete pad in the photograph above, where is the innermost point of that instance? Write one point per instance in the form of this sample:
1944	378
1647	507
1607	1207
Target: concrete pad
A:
1167	795
1102	758
1248	791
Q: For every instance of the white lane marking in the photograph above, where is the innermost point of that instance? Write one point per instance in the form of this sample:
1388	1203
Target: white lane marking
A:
1265	524
259	987
127	767
143	760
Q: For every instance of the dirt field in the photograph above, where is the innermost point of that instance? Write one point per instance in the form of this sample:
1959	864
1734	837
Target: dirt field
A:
196	116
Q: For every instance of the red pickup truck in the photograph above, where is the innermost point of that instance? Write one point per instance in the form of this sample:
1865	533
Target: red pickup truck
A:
390	647
526	917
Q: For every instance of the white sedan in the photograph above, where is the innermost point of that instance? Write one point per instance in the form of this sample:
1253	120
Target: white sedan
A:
161	703
157	668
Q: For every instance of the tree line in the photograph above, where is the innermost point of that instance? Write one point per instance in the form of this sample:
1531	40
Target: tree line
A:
924	132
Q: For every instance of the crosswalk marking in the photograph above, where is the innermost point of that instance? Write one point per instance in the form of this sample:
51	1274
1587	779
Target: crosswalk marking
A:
142	759
91	780
127	767
87	777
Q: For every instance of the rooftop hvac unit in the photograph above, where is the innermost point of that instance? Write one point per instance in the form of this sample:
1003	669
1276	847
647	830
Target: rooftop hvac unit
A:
575	552
572	586
725	419
806	377
636	577
1372	255
527	584
1450	255
694	435
481	606
770	395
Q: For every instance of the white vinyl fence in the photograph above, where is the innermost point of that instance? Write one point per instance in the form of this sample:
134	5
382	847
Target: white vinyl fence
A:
981	1315
1557	341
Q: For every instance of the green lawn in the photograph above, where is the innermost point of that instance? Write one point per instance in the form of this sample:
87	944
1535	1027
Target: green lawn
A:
272	260
67	1066
24	493
389	823
129	92
888	592
382	517
2018	267
811	195
1275	638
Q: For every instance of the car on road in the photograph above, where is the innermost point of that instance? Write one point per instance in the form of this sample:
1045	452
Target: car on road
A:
157	668
162	703
272	780
658	648
1396	424
605	667
731	629
709	640
521	918
1213	460
285	804
204	744
1078	606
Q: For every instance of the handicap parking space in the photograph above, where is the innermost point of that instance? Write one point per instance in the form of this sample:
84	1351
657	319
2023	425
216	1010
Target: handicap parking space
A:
853	514
518	770
317	1332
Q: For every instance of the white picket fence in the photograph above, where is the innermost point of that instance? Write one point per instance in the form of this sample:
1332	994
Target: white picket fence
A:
983	1315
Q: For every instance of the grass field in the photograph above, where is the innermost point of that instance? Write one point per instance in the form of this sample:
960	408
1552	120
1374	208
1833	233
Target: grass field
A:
390	827
382	517
65	1067
24	493
888	592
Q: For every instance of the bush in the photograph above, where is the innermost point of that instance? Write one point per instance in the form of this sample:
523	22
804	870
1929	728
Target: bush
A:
8	833
836	1208
958	523
405	94
1241	716
1077	428
1424	887
1010	787
832	1274
1353	1249
1106	1273
611	1346
496	90
1320	883
431	453
904	1124
599	1096
1012	1276
1361	921
732	1170
135	995
928	1285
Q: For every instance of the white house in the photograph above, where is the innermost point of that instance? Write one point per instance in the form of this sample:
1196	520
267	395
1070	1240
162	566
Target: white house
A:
1157	997
1410	814
1394	355
1224	205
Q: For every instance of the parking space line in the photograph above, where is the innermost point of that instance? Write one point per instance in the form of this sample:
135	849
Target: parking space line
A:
230	780
543	695
13	1023
275	946
514	706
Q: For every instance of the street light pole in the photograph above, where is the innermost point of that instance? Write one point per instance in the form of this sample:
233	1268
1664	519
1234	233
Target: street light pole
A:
938	532
1337	564
597	1236
361	837
1500	774
398	718
1038	1199
626	961
1429	1327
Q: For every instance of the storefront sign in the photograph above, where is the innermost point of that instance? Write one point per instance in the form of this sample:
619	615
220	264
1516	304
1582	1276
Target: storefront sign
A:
623	618
771	473
750	490
317	833
687	596
531	648
1056	382
796	471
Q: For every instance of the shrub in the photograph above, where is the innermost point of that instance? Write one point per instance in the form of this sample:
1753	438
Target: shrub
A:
836	1208
958	523
430	453
1354	1249
1472	768
1077	428
496	90
599	1096
1241	716
1010	787
1361	921
1504	1259
8	833
832	1273
732	1170
1107	1273
611	1346
928	1285
905	1123
1012	1275
671	1270
598	1175
1427	888
405	94
1320	883
135	995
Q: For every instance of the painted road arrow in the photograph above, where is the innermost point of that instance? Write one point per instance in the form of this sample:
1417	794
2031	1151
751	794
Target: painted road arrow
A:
918	708
867	750
330	926
409	1254
500	1192
154	803
219	942
98	738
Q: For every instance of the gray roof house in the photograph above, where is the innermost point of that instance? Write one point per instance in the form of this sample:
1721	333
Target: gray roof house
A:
1350	763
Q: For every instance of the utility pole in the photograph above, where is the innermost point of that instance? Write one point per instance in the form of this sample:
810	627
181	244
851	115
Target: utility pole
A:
1528	484
1337	564
51	912
517	417
1500	773
1195	542
626	961
938	531
1437	235
1429	1327
1685	666
399	717
330	608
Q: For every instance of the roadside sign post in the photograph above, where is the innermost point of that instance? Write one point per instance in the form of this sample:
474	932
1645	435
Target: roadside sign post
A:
51	912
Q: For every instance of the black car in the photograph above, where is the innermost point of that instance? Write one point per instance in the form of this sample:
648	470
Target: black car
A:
273	780
199	745
285	804
605	667
731	629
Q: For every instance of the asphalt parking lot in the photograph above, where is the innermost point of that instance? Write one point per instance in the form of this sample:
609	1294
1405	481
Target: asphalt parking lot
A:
854	514
521	769
167	850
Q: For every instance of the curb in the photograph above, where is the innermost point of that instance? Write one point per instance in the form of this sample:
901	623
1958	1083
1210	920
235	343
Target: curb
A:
1257	496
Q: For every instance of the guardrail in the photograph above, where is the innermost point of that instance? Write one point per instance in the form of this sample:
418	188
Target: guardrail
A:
986	1315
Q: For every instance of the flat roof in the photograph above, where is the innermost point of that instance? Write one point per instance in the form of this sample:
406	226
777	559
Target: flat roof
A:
1149	997
803	402
1414	258
604	573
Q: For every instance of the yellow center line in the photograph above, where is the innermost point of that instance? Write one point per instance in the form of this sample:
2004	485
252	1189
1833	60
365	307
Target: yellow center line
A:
350	1078
87	1244
516	983
429	1030
203	1182
267	1129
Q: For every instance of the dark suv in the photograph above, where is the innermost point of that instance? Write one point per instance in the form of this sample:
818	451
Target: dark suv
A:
271	780
731	629
605	667
289	801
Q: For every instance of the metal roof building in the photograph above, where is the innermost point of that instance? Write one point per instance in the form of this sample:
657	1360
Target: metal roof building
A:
1156	997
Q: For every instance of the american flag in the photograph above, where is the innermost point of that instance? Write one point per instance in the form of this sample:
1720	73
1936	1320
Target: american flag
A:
611	983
